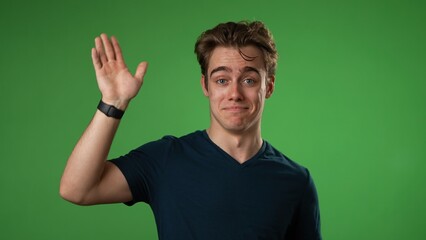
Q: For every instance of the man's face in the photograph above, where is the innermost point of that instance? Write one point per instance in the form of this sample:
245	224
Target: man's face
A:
237	88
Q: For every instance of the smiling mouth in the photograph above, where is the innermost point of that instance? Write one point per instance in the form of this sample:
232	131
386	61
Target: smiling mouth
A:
235	108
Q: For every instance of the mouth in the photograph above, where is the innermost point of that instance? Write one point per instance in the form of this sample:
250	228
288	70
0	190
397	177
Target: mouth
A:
235	108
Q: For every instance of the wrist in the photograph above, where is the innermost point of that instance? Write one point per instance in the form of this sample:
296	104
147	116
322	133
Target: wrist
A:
110	110
119	104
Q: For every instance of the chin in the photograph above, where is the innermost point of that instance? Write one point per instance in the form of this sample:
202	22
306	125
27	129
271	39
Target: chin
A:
236	124
237	127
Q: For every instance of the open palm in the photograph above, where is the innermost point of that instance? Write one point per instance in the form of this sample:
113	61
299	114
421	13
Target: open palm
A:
117	85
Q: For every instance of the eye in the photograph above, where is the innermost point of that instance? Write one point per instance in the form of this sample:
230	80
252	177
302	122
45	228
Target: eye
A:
249	81
221	81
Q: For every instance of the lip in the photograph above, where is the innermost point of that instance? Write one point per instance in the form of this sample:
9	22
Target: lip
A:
235	108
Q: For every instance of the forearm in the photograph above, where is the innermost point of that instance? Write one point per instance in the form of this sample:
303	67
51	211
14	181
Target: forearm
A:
88	178
87	161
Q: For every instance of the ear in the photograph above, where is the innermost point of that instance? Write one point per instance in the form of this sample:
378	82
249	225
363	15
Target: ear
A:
270	86
203	86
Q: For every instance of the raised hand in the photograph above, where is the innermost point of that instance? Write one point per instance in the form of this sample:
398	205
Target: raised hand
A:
117	85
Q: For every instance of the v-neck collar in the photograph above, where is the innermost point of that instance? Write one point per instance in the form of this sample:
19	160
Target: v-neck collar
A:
231	159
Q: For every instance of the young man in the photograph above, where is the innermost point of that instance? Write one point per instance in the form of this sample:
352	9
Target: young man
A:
224	182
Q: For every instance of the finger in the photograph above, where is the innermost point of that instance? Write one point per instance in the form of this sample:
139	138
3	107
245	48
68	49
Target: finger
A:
109	51
141	70
117	49
95	60
100	50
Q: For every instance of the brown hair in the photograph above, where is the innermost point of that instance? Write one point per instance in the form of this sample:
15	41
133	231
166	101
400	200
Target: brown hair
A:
232	34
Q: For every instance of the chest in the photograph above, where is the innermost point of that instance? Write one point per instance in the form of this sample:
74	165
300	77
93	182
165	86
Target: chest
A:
262	195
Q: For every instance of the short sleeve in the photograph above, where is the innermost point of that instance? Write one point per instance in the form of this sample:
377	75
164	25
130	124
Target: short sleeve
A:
306	221
142	168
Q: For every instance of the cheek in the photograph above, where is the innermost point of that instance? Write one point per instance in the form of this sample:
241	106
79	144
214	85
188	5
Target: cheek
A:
258	97
215	98
257	101
217	94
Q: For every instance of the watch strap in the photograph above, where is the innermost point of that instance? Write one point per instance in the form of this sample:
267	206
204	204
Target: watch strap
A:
110	110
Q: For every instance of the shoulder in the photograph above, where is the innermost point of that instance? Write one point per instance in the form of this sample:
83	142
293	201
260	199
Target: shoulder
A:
169	142
284	163
193	137
190	137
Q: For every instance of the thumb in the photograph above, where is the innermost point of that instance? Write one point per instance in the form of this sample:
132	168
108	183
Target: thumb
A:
141	70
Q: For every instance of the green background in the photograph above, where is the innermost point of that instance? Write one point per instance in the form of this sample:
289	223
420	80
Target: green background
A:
349	104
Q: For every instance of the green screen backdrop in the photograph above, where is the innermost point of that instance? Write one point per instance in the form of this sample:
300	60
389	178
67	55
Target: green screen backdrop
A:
349	104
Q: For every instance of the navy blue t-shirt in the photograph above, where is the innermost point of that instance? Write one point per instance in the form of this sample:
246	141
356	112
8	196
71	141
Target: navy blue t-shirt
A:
198	191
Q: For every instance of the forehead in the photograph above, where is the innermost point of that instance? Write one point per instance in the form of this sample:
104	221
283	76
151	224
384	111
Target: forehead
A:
236	58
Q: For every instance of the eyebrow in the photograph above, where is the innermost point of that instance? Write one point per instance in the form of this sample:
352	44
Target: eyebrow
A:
227	69
218	69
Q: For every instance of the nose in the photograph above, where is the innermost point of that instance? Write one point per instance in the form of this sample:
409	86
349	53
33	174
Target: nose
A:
235	92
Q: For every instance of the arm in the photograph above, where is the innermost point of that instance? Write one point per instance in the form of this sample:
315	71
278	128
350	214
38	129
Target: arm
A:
88	177
306	221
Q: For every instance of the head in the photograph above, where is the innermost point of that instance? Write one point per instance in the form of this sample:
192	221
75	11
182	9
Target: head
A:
238	62
237	35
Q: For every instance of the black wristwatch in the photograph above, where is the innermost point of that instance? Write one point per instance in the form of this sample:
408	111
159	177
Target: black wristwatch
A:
110	110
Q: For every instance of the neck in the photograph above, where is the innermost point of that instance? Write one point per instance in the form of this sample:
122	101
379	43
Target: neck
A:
241	145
